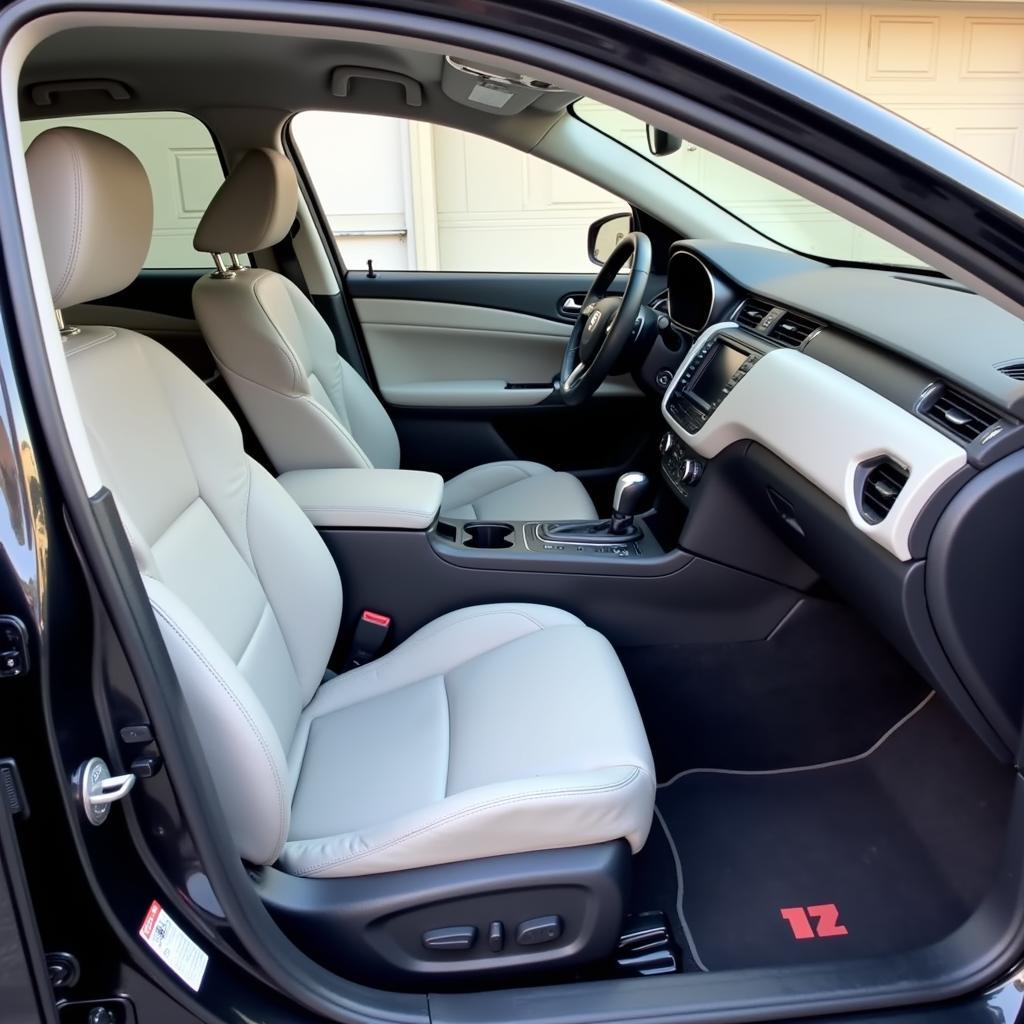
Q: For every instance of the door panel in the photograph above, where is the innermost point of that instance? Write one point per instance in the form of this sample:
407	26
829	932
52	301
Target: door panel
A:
450	355
534	294
446	346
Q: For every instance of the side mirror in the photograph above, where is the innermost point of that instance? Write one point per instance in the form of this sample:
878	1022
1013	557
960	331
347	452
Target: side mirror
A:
605	234
660	143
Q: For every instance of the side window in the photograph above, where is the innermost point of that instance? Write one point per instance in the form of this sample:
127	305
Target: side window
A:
183	167
415	196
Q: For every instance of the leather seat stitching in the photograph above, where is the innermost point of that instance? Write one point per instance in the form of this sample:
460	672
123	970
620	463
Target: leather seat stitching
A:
298	371
76	233
331	420
451	732
470	811
483	615
261	739
266	592
70	351
495	465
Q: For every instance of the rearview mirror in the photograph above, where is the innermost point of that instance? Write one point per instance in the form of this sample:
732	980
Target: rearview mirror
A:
605	234
661	143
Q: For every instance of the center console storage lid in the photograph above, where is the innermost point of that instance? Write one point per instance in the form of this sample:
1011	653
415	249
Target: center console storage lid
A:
388	499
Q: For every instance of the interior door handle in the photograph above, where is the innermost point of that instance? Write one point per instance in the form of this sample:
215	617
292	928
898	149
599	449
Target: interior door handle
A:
571	305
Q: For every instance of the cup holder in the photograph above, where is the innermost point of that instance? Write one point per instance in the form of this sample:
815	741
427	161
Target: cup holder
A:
489	535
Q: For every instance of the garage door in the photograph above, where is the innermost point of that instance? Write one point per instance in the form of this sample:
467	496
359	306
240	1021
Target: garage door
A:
956	69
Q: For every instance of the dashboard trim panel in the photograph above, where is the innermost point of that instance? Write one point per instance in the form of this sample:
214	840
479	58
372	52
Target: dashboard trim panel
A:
692	328
825	425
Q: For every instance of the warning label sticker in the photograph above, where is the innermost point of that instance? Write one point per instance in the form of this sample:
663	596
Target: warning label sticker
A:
173	946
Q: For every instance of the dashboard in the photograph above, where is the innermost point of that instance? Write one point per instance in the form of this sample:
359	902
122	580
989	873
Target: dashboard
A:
864	425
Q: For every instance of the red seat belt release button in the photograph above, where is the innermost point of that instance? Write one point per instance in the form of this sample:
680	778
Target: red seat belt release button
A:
371	633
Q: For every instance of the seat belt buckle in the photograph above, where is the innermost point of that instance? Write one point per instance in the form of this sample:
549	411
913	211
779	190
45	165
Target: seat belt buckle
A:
371	633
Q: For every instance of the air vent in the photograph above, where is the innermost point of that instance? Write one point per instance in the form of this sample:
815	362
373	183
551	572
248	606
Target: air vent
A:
752	312
880	489
1014	370
793	329
958	414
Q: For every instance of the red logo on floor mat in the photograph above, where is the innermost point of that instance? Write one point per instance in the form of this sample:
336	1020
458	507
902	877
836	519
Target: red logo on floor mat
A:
825	914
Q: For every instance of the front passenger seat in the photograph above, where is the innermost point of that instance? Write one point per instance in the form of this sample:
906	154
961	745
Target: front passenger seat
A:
492	731
309	408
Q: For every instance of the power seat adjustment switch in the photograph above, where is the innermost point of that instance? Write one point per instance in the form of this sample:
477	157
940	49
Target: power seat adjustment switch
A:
539	930
450	940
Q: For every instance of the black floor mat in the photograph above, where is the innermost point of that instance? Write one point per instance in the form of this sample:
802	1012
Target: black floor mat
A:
824	686
902	844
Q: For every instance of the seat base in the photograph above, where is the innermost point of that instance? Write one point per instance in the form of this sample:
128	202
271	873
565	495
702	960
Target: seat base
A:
370	928
516	490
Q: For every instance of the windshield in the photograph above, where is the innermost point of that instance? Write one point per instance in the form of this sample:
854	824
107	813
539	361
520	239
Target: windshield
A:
777	213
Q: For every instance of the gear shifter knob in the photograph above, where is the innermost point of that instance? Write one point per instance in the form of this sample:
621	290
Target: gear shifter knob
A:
632	492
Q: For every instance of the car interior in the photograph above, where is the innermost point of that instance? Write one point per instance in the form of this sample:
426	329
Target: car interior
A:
542	630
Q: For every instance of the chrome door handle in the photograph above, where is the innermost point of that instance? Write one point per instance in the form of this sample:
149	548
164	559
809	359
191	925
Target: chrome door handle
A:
571	305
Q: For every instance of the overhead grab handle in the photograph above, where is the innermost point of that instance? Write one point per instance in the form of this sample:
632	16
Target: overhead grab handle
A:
341	79
43	93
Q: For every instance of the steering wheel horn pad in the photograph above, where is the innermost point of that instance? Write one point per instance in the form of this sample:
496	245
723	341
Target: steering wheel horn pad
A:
596	327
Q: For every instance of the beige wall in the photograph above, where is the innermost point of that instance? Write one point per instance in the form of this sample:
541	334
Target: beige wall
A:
956	69
469	203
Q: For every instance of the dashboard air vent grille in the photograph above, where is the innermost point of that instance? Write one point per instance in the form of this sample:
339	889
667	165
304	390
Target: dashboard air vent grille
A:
881	487
960	415
1014	370
752	312
793	329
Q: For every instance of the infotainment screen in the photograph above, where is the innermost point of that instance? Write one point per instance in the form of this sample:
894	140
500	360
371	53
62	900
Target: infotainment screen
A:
717	372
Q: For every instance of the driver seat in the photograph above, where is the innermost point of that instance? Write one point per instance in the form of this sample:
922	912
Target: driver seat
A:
309	408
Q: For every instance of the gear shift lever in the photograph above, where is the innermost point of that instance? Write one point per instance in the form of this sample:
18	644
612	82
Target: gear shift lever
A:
632	492
632	496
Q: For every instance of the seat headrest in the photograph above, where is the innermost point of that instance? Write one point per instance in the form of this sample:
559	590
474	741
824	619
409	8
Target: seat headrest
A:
254	208
94	210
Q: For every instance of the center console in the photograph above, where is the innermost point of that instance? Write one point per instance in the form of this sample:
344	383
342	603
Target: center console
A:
626	575
536	545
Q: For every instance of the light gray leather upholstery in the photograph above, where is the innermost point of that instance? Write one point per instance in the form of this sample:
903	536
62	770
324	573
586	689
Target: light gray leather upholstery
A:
82	216
255	210
495	729
492	730
389	499
515	490
309	408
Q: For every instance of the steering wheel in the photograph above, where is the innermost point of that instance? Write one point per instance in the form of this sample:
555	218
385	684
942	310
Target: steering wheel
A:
606	322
